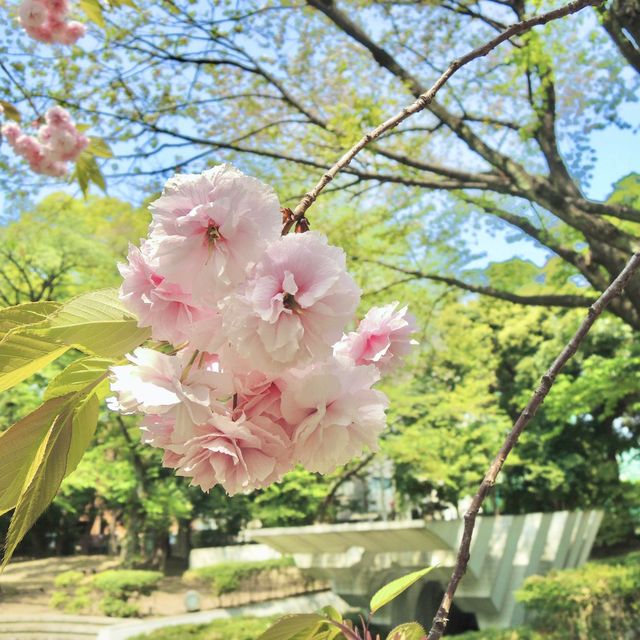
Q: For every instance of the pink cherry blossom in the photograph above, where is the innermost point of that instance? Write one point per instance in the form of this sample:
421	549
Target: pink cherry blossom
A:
215	225
383	338
33	13
295	305
165	307
157	383
157	431
45	21
336	412
240	454
58	142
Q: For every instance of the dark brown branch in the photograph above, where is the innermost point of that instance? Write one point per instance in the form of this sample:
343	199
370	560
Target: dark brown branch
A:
426	98
595	310
543	300
347	475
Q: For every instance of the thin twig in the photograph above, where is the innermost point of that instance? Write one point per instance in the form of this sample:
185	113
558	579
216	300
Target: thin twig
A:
427	97
595	310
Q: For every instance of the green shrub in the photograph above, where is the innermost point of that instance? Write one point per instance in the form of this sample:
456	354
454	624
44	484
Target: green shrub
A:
599	600
68	579
227	629
122	582
228	576
119	588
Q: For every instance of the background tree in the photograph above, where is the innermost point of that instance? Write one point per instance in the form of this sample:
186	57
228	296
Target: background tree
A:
506	143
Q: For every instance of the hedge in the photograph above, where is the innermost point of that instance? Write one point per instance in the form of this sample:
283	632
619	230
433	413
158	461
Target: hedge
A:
227	577
227	629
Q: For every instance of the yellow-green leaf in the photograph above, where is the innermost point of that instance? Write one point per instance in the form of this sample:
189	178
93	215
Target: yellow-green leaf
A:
407	631
23	353
93	10
43	479
85	419
10	111
98	147
395	588
25	314
98	324
18	447
77	376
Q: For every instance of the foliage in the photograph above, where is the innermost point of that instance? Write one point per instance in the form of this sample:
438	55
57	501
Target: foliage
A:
226	629
227	577
117	590
598	600
521	633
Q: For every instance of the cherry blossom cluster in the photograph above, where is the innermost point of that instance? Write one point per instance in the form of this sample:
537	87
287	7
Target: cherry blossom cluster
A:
259	376
58	142
46	21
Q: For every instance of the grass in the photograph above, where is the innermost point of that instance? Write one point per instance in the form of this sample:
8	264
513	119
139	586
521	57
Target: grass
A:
226	629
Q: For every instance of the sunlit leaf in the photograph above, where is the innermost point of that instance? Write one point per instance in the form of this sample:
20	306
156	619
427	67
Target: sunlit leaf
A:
77	376
18	447
407	631
10	111
392	590
98	147
93	10
98	324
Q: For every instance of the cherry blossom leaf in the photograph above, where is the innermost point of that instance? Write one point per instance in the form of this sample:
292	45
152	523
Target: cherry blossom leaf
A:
98	147
78	375
18	447
299	626
25	314
392	590
23	353
84	423
44	476
407	631
93	11
87	171
97	323
10	111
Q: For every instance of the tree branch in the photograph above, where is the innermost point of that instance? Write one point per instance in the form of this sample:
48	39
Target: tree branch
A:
595	310
426	98
543	300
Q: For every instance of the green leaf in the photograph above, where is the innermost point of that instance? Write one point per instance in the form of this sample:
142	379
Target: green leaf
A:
98	324
87	171
98	147
18	447
332	613
43	479
289	627
10	111
77	376
85	420
407	631
94	11
23	353
25	314
395	588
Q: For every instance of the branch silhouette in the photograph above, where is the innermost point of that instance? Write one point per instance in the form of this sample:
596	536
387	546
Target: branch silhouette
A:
594	312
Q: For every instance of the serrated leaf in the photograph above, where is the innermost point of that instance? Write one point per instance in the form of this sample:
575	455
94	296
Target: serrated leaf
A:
43	479
87	171
93	10
85	420
25	314
77	376
24	352
407	631
289	627
392	590
98	147
98	324
18	447
10	111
